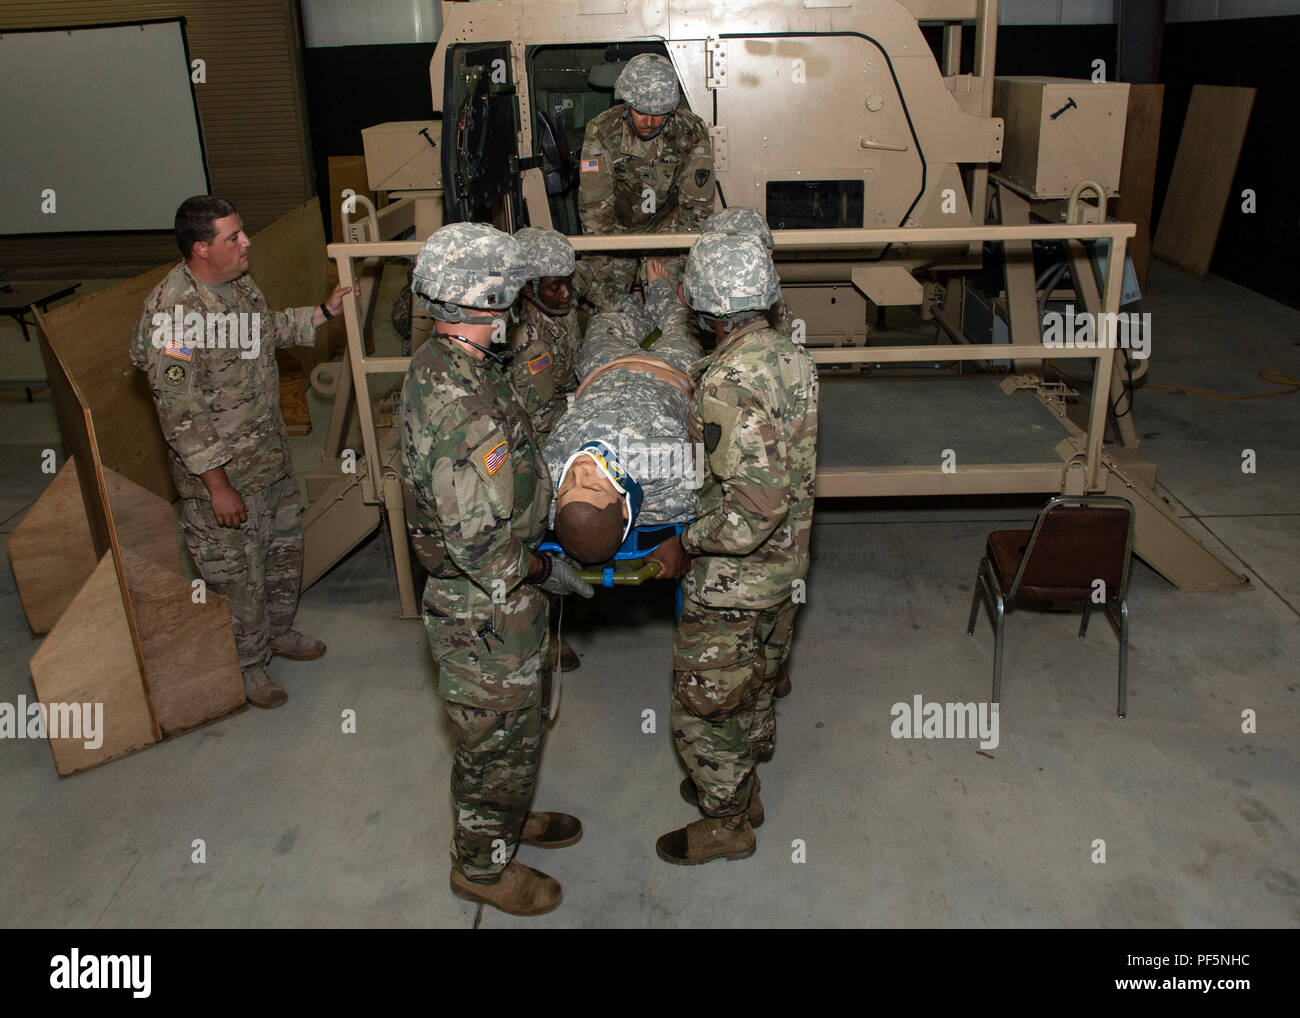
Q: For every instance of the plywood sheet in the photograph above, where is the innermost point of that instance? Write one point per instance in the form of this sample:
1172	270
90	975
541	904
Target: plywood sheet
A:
1203	170
143	521
190	662
287	261
293	395
74	427
1138	172
91	337
50	551
88	658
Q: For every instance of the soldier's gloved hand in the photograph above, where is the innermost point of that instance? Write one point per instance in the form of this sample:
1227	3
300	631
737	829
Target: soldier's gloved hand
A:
560	578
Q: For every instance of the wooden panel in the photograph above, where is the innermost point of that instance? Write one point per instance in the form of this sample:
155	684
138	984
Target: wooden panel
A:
69	408
91	338
142	521
89	658
293	395
50	551
190	662
1137	178
253	106
287	260
1203	170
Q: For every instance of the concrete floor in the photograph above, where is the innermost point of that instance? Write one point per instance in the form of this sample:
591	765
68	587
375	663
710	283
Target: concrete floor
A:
306	826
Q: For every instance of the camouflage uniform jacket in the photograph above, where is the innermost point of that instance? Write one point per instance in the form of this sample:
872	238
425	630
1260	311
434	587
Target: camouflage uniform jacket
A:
617	167
638	415
477	490
544	370
755	410
216	407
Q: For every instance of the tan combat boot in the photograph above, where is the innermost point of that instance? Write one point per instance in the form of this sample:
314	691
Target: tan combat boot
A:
521	890
707	839
261	691
566	658
551	830
297	647
754	811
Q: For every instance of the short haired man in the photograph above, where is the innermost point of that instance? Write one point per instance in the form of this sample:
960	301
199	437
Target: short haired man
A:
207	340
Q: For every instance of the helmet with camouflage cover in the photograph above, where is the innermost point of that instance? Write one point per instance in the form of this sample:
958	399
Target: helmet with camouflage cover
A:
740	221
729	274
469	265
648	84
548	251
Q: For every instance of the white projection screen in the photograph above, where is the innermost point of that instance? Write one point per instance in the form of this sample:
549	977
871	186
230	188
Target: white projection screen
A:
105	118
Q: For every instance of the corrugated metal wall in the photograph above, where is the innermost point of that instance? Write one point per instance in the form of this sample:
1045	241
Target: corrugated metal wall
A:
253	107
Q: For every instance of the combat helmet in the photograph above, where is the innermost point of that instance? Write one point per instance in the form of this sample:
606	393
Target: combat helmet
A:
729	274
469	265
648	84
548	251
740	221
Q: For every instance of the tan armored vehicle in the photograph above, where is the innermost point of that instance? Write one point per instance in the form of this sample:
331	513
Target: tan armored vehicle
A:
892	179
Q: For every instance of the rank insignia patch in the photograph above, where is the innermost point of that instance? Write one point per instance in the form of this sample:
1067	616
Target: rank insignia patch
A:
712	434
493	460
539	364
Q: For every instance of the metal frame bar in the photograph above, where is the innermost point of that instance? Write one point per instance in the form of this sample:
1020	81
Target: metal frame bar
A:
994	476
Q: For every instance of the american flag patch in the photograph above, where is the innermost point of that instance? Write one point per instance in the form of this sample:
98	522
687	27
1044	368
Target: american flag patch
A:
493	460
539	364
589	166
183	353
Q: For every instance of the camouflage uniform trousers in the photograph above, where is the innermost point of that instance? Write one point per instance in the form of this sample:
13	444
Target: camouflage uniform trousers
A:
726	662
256	566
495	687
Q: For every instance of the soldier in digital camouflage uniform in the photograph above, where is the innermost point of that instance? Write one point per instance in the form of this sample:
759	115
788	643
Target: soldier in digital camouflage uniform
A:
544	343
746	555
647	167
742	221
217	391
477	495
544	349
634	401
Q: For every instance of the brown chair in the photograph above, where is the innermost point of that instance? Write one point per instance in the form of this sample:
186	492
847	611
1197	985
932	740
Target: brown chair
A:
1076	542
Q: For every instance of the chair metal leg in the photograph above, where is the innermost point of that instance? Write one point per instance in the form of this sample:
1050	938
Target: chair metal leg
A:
1123	659
997	650
975	600
1083	624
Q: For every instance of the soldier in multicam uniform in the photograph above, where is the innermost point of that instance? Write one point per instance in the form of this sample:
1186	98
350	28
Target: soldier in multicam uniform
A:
544	349
647	167
620	457
477	495
746	222
217	390
755	410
